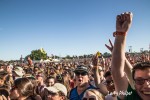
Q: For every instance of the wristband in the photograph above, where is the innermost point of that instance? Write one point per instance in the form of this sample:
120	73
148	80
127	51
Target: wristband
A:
119	33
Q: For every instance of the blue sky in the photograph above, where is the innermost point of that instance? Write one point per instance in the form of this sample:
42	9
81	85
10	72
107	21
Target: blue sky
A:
68	27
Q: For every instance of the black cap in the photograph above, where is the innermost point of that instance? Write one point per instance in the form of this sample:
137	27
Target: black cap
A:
81	68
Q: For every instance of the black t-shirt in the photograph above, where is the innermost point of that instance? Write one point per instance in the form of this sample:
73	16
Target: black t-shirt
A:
132	94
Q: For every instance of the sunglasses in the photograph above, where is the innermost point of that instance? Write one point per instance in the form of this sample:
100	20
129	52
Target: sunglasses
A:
81	73
88	99
141	81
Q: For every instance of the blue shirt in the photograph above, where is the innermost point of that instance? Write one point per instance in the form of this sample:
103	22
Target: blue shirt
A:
74	94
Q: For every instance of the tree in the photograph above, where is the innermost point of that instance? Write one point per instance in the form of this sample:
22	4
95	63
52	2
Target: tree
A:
68	57
38	54
106	54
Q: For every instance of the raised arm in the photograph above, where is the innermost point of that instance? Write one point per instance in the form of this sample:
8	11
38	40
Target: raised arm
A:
123	23
127	66
97	79
128	71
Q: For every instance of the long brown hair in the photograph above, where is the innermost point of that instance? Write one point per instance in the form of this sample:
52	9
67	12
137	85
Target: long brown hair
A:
24	86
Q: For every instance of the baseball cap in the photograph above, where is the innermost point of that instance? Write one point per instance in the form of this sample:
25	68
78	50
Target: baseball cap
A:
57	87
11	66
19	71
82	68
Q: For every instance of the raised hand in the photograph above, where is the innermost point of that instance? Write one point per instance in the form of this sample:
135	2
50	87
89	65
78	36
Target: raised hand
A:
95	60
110	48
123	22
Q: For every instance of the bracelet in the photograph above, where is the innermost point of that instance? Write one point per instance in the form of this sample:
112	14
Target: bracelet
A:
119	33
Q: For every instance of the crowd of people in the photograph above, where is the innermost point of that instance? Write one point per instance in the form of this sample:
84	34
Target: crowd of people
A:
121	76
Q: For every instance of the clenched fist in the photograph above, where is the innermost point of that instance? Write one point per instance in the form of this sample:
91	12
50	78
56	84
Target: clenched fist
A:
123	22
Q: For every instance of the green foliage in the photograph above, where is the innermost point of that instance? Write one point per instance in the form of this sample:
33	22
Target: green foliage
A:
106	54
68	57
38	54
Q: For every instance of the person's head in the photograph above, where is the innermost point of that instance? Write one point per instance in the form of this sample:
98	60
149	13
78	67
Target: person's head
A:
1	65
36	70
14	94
92	94
109	82
28	58
141	77
28	70
40	77
18	72
22	88
50	81
32	79
66	81
9	68
52	71
81	75
3	75
4	92
58	67
57	92
59	78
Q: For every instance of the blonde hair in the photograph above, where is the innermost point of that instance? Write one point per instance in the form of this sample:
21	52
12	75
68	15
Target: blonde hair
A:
96	92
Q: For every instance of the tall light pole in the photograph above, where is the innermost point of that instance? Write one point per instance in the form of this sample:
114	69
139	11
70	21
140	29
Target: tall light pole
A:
141	50
130	49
